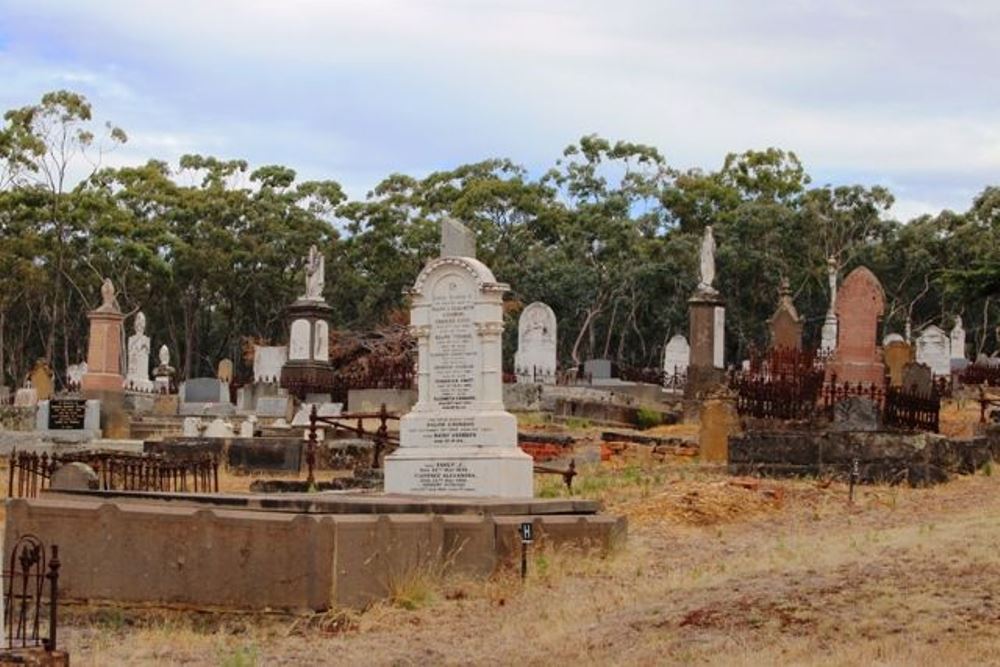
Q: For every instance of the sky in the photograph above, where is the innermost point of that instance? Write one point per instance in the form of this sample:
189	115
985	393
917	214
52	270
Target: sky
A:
896	93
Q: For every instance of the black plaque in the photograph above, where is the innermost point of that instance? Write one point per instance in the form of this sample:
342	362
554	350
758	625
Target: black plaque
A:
67	414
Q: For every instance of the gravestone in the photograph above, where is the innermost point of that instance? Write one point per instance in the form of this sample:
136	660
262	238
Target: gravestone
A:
74	375
856	413
957	336
42	380
934	349
707	321
599	369
535	359
273	406
897	353
204	390
163	374
218	428
104	351
676	355
267	362
892	338
828	333
225	371
860	303
192	427
458	439
137	370
308	368
786	325
717	421
69	418
25	397
75	476
918	377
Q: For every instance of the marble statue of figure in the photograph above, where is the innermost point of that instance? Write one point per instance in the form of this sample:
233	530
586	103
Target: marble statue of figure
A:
164	355
707	260
137	374
314	274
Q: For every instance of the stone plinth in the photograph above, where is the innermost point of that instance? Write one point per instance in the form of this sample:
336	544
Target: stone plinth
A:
860	304
104	353
707	315
308	368
458	439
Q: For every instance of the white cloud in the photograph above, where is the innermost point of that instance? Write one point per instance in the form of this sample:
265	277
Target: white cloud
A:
900	92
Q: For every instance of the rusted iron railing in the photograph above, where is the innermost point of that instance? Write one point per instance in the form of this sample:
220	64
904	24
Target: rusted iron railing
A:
980	374
567	475
380	437
30	473
24	582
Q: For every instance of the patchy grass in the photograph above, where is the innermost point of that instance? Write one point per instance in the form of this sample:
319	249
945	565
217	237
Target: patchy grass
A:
715	571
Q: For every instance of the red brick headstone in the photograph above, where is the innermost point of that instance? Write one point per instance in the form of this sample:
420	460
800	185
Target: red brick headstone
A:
860	304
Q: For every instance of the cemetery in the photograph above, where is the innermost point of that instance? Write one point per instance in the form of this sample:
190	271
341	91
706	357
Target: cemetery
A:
612	407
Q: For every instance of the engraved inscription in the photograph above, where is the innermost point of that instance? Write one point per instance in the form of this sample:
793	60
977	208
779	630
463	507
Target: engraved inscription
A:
453	348
444	476
67	414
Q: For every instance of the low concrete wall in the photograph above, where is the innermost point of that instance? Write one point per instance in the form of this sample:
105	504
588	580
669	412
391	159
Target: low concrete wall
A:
917	458
152	552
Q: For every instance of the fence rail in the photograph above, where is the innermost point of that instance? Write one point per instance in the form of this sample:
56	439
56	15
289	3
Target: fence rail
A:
30	473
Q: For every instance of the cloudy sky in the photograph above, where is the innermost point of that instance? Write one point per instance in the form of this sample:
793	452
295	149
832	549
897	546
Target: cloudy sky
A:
899	93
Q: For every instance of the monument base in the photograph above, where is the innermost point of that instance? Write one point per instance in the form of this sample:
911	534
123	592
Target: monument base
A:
501	472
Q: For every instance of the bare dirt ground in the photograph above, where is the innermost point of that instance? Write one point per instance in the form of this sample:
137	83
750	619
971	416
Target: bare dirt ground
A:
715	571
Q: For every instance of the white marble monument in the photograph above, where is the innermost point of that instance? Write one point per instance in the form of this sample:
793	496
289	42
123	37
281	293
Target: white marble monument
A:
267	362
535	359
137	372
828	334
315	272
934	349
458	440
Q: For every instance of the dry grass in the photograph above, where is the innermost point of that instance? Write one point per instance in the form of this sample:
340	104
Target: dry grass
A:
713	572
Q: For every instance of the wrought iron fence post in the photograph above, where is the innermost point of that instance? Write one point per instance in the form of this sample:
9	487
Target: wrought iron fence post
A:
311	446
53	577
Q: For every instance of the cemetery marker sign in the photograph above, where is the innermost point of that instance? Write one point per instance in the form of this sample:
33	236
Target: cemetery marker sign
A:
67	414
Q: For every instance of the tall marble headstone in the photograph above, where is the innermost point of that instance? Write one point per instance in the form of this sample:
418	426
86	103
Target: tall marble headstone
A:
458	439
676	356
137	371
267	362
934	349
860	304
707	322
535	359
828	334
786	325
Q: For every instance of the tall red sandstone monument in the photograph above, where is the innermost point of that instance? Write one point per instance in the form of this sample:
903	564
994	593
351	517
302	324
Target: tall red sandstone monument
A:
860	304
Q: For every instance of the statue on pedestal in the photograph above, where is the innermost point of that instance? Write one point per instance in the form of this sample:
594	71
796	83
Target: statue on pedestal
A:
315	269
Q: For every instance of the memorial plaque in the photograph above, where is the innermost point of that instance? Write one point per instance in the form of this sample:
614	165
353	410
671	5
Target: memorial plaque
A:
444	477
67	414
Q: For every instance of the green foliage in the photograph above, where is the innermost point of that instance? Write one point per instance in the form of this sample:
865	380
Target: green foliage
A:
211	248
647	418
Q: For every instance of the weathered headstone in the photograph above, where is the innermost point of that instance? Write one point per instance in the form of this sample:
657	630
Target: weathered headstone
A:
856	413
163	374
224	372
457	240
786	325
267	362
599	369
535	359
718	420
897	353
458	439
273	406
676	356
26	397
204	390
42	380
934	349
218	428
137	371
75	476
860	304
918	377
69	417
